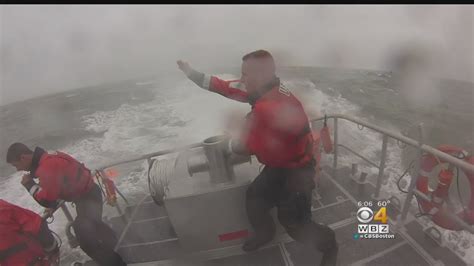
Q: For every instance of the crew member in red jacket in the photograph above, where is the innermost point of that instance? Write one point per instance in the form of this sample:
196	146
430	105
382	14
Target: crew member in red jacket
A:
25	238
61	177
277	132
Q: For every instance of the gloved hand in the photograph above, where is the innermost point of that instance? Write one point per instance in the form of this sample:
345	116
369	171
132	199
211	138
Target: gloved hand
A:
26	179
195	76
185	67
48	212
226	146
235	146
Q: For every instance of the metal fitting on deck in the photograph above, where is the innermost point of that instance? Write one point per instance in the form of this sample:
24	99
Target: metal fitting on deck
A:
215	160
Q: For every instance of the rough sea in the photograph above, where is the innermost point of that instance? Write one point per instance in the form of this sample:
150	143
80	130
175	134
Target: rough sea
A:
106	123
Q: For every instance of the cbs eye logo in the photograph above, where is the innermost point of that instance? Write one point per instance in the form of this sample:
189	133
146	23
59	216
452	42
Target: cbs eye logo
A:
366	215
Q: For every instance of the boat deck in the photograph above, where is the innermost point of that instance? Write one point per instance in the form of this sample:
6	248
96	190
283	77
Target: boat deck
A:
151	240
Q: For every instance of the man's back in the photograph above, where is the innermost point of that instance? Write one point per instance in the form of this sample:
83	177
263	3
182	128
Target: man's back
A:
18	226
278	129
60	175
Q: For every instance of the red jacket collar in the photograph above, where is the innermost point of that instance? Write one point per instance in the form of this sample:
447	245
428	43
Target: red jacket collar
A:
37	154
254	97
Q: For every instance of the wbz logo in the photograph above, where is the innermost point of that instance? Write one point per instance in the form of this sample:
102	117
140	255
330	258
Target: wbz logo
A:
373	228
365	215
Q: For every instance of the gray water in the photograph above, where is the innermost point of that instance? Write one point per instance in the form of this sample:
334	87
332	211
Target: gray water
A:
54	121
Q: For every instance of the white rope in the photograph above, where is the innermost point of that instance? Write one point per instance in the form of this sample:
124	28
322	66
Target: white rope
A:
160	173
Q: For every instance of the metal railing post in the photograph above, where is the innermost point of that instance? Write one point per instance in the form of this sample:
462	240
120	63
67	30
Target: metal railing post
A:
464	165
334	165
121	213
71	239
67	213
381	167
411	188
458	220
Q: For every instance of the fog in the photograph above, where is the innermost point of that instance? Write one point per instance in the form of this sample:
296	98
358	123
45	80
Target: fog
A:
46	49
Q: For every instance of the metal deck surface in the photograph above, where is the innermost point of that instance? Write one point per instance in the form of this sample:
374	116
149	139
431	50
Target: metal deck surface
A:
151	240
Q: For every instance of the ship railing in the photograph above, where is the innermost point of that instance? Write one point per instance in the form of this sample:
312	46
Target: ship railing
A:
421	149
386	135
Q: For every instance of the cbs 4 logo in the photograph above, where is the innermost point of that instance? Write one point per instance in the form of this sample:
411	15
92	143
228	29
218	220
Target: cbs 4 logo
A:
366	215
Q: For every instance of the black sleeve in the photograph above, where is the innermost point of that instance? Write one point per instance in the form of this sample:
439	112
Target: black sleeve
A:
48	204
197	77
44	203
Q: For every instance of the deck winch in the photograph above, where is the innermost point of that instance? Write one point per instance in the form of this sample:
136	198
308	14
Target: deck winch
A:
204	187
214	160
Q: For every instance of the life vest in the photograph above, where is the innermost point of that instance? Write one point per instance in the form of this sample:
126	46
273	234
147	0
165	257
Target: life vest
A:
272	138
278	129
72	180
18	230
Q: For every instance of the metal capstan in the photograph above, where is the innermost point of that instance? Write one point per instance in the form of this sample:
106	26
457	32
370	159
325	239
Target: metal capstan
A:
209	158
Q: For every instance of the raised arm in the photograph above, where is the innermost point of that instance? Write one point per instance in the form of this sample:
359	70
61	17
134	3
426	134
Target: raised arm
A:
225	88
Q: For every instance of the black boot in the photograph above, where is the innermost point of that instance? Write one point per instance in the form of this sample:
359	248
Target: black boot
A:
330	257
255	243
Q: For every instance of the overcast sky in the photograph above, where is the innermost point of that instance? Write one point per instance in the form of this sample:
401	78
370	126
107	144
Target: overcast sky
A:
45	49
